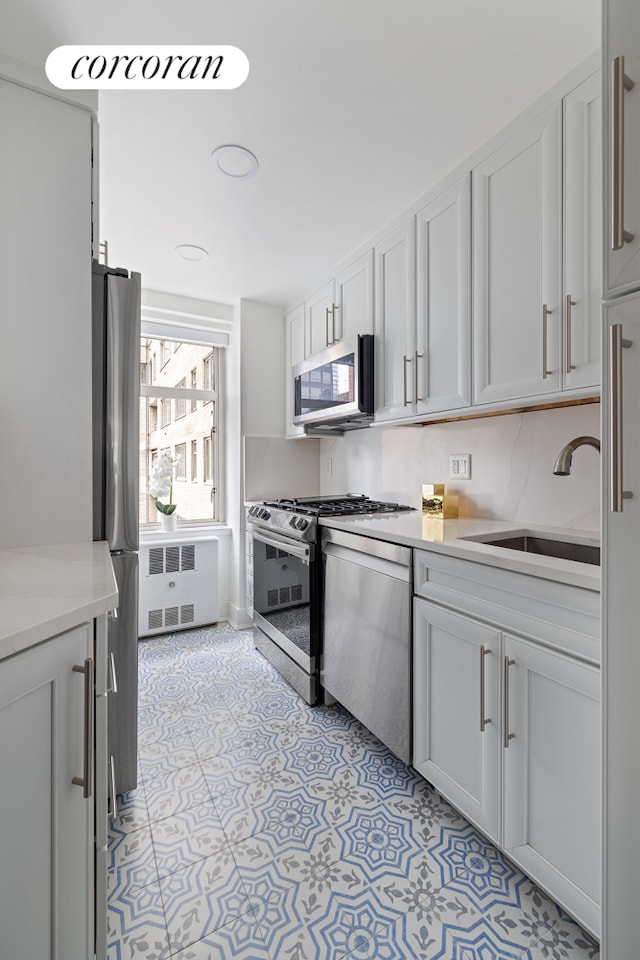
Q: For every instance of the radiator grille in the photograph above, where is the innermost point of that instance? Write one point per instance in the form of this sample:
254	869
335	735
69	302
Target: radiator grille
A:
172	559
187	613
272	598
296	592
171	616
285	594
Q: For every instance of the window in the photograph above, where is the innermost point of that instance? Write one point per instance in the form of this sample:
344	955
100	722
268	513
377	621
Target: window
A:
206	459
181	457
194	460
208	373
165	418
194	386
193	432
181	405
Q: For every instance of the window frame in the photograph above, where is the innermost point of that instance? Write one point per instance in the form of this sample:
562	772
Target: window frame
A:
164	393
181	472
194	461
180	403
194	386
165	411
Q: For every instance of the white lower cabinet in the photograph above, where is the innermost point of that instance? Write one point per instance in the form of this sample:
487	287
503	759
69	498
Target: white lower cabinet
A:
46	824
456	744
551	773
508	731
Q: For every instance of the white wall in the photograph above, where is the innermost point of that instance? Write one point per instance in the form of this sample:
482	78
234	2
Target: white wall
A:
254	405
263	369
512	462
277	467
233	469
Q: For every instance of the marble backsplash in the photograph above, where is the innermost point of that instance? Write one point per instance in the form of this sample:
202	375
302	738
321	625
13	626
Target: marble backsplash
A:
512	459
275	467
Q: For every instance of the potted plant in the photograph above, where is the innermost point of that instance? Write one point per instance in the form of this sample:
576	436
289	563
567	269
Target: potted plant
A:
162	486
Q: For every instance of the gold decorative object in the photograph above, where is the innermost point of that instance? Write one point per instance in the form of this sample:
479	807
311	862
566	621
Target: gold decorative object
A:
437	504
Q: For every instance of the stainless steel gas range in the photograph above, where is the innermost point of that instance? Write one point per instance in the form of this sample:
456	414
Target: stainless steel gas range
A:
288	583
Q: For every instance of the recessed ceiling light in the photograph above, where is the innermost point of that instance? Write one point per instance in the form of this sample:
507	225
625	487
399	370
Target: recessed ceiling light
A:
235	162
189	251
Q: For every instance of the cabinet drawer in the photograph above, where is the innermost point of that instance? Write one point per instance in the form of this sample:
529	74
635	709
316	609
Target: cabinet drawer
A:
562	616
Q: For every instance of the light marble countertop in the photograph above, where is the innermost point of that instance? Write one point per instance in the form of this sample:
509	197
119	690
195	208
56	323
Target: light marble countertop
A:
411	529
47	590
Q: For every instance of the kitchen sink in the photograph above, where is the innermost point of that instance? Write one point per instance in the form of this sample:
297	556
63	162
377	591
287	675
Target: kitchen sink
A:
547	547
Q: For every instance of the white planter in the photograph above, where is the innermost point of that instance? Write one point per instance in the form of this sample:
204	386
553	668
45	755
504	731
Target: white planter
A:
168	522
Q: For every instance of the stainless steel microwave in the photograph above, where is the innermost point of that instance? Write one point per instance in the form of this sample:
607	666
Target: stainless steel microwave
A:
335	387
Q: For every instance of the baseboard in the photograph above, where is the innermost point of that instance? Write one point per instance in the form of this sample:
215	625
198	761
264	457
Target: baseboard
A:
237	616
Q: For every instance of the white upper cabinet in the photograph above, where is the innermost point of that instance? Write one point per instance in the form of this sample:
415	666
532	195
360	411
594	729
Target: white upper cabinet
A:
582	234
295	353
395	318
442	373
342	307
319	316
488	297
621	90
353	309
516	265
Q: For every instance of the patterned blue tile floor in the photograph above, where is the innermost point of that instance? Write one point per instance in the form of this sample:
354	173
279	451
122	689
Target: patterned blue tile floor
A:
263	829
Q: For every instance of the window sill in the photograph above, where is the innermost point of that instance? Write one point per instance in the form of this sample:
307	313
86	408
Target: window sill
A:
192	531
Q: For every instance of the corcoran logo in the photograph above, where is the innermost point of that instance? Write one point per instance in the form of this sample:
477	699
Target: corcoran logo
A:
94	67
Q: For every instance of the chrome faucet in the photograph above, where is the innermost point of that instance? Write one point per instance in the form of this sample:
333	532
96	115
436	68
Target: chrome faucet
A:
562	466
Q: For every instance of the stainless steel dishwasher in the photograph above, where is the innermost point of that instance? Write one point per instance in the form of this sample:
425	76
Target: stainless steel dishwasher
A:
366	659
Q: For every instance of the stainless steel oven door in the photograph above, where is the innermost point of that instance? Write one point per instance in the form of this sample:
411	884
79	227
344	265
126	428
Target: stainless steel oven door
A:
282	594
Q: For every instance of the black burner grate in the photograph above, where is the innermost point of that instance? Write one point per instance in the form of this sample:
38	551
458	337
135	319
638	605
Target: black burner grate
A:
335	506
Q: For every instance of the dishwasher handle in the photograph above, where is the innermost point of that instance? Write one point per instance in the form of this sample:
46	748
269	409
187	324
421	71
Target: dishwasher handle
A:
368	546
369	561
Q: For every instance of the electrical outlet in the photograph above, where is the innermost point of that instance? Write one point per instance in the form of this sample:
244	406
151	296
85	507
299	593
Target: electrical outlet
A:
328	466
460	466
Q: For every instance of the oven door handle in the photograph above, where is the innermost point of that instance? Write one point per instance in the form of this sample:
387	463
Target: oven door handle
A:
303	551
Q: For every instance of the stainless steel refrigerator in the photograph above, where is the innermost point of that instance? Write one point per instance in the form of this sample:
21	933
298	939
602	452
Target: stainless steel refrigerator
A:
116	392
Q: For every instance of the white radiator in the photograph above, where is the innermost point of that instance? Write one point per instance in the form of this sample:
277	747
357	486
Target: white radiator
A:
178	585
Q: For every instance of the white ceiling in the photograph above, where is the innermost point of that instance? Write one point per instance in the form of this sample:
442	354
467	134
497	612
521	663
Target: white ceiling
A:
353	107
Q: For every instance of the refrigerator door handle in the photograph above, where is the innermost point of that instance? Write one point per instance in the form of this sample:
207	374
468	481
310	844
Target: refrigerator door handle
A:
113	680
122	411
